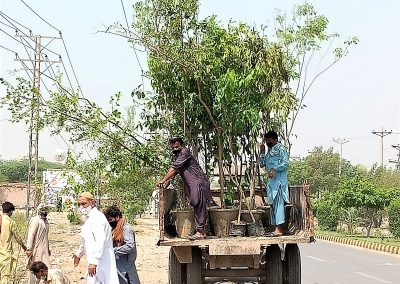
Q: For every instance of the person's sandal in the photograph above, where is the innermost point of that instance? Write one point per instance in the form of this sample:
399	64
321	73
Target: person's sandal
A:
273	234
196	237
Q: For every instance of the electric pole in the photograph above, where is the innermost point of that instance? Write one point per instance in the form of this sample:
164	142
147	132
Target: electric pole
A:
382	134
340	142
32	196
397	147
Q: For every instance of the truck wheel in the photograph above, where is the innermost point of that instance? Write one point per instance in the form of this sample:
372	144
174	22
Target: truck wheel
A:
175	269
194	269
292	265
273	265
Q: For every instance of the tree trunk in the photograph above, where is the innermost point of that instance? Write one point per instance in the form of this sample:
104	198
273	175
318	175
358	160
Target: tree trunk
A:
221	168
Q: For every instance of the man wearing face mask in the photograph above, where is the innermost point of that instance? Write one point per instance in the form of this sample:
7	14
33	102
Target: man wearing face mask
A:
124	246
96	244
276	163
38	239
8	231
47	276
197	185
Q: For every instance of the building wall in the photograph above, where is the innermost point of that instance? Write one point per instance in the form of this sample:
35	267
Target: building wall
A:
14	193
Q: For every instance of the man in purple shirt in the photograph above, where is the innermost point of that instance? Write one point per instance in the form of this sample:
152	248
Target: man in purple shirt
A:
197	185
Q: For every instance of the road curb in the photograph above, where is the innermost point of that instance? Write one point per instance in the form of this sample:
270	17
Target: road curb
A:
363	244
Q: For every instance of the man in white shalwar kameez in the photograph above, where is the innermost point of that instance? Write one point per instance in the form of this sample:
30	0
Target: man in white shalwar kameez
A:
97	244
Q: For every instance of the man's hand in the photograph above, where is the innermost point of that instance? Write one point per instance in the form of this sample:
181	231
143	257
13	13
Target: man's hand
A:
271	173
163	184
262	148
160	183
76	260
28	253
92	269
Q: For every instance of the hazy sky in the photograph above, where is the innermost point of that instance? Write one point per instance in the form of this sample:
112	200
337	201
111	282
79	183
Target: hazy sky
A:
360	94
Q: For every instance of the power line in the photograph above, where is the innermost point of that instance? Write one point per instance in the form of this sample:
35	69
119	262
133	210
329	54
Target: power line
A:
340	142
133	46
66	73
28	36
6	25
382	134
129	32
26	68
16	39
70	63
397	147
39	16
16	53
6	16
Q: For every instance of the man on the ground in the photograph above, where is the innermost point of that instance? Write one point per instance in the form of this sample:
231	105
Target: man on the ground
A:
38	239
124	246
8	230
47	276
96	244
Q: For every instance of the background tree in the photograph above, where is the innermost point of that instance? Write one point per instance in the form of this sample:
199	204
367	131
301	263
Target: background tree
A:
302	35
17	170
363	195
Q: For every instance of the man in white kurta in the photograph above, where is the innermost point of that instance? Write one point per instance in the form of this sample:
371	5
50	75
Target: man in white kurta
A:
97	244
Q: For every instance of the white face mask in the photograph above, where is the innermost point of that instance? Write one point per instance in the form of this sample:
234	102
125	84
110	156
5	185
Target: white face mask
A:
85	211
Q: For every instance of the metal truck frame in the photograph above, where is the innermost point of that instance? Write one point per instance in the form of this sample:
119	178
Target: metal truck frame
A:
271	260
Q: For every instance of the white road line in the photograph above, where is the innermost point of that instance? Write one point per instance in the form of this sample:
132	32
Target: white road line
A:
316	258
372	277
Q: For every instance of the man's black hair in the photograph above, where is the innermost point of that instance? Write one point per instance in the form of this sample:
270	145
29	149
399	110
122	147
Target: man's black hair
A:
113	212
176	139
8	207
37	266
271	134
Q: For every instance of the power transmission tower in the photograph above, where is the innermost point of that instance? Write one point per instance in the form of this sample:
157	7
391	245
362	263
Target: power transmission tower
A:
397	147
32	195
340	142
382	134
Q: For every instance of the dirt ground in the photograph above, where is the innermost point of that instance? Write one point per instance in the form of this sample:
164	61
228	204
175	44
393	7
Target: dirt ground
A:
64	238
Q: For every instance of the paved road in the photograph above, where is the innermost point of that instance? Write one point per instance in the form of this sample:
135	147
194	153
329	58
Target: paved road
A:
330	263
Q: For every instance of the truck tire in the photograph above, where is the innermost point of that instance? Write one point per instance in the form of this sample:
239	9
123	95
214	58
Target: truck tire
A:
194	269
292	265
273	265
175	269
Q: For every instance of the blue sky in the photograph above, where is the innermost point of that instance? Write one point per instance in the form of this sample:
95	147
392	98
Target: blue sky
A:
360	94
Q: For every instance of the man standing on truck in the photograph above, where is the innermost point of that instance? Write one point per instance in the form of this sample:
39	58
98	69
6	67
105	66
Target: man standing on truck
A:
276	163
197	185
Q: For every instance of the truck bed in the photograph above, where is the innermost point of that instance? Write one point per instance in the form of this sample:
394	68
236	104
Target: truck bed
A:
236	241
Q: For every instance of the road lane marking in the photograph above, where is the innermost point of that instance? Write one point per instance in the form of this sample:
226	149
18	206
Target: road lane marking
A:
372	277
316	258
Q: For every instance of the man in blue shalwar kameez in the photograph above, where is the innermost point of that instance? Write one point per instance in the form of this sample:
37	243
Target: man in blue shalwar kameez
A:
276	163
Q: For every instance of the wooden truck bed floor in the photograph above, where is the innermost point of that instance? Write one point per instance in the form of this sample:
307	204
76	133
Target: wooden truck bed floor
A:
236	241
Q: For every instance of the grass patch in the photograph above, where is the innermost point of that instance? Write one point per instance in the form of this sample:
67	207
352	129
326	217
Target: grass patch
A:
21	222
372	239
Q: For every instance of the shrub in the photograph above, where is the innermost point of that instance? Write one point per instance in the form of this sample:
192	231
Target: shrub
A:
394	218
327	215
